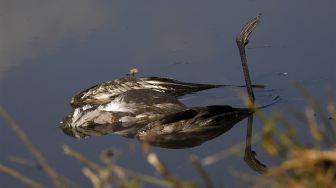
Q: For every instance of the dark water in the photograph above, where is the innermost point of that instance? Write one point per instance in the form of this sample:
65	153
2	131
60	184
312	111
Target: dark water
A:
51	50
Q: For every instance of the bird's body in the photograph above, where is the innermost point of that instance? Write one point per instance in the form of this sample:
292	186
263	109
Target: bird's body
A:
107	91
154	117
130	109
127	104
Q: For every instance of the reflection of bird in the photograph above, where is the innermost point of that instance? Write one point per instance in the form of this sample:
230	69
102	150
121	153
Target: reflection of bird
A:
192	126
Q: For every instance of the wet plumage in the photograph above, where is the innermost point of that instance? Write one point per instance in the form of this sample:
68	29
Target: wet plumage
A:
107	91
127	112
153	117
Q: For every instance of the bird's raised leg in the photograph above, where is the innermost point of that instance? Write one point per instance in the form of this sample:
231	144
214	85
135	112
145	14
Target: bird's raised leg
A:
242	40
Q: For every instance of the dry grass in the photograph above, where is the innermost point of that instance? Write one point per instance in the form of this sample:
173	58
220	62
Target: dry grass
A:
311	164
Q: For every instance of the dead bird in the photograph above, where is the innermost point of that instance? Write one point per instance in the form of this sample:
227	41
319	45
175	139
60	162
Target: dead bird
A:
148	109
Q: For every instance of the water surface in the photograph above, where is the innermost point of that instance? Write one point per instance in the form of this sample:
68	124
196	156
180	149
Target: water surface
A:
49	51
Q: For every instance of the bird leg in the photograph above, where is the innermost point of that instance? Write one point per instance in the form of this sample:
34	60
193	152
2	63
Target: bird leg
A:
242	40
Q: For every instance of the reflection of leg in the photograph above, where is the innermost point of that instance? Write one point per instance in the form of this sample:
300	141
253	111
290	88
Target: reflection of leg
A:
249	156
242	41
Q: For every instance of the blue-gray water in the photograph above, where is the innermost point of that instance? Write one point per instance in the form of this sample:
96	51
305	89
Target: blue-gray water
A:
52	49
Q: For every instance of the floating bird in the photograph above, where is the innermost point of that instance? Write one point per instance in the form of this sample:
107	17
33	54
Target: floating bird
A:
148	109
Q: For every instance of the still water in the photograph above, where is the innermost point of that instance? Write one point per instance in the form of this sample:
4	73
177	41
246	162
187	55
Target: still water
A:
51	50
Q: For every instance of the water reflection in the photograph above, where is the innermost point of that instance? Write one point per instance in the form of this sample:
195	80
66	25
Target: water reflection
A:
250	155
32	28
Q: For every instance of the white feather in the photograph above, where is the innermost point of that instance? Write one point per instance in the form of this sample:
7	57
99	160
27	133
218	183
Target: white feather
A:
116	106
